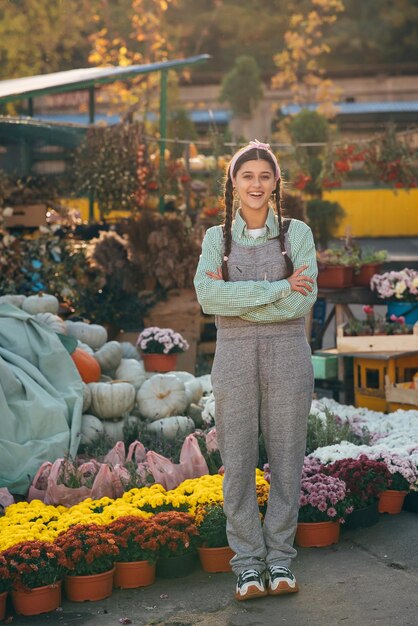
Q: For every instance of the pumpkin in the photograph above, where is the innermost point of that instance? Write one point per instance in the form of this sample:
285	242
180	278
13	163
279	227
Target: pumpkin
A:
129	351
94	335
208	413
193	391
14	299
82	345
160	396
132	371
112	400
52	322
183	376
171	427
41	303
87	366
114	429
109	356
86	397
91	428
206	383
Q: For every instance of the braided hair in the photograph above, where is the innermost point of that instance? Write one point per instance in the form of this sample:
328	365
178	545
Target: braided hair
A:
250	155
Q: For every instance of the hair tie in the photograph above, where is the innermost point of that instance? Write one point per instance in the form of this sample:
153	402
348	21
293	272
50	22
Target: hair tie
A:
225	258
258	145
284	252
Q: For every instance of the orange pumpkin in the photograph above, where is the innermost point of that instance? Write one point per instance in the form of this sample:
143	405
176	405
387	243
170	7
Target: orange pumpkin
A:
87	366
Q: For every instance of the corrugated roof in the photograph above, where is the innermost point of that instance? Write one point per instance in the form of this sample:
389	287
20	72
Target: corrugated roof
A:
70	80
353	108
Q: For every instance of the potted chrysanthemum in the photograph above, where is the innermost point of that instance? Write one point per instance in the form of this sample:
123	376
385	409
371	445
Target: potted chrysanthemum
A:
323	505
91	551
5	585
139	541
213	549
159	348
403	474
36	570
177	556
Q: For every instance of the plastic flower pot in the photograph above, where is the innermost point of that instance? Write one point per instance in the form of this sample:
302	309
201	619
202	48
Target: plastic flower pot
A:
317	534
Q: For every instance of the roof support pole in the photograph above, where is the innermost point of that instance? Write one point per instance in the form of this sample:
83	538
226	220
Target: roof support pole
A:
163	127
30	107
91	121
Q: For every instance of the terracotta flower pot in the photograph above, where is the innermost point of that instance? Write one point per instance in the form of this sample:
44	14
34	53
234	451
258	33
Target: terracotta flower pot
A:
3	598
133	574
159	362
215	559
37	600
362	278
90	587
335	276
317	534
391	501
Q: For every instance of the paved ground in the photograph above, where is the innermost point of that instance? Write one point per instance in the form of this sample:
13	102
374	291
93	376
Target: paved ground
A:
369	578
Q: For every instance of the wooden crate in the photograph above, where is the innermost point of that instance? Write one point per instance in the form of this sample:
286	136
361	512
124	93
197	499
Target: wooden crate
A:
400	395
377	343
27	216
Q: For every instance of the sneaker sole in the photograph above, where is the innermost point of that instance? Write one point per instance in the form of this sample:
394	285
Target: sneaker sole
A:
251	595
282	589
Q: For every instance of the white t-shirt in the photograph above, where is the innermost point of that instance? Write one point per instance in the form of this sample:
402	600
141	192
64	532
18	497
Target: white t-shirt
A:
257	232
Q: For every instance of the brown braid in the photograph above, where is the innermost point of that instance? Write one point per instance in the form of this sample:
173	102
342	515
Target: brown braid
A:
227	226
289	264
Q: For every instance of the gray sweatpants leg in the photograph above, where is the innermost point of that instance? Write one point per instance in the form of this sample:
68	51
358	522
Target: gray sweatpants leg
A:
264	377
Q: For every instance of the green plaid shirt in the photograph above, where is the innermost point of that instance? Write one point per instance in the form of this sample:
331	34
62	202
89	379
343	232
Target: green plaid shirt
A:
256	301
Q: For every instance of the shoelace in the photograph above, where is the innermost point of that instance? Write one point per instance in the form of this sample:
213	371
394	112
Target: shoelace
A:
249	574
279	569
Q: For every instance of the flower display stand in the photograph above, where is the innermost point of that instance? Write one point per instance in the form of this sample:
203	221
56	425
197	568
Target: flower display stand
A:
377	343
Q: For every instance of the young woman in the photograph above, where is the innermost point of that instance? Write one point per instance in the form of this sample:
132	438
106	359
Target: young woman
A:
259	279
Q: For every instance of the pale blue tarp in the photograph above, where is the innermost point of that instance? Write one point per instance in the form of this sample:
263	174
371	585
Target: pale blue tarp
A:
41	399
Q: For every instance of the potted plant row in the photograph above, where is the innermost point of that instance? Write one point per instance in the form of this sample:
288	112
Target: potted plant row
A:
347	266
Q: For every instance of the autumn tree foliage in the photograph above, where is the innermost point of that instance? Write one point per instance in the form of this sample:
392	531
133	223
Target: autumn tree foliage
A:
300	63
146	41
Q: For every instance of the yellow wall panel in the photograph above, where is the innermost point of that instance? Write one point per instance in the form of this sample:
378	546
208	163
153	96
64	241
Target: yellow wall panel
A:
377	212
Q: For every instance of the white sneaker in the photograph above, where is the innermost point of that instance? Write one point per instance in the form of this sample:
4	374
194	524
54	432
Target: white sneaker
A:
281	580
250	585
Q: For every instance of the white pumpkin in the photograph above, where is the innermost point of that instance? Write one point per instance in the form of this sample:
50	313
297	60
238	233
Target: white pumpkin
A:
193	391
208	413
41	303
52	322
91	428
94	335
82	345
132	371
171	427
111	400
109	356
114	429
14	299
160	396
206	383
183	376
129	351
86	397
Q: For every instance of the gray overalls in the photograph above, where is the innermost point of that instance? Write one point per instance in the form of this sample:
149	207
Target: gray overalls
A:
262	378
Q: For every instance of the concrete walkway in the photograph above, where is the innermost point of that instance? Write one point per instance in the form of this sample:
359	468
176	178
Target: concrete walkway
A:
369	578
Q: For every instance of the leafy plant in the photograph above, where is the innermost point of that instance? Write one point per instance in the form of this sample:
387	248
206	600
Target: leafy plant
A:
234	88
211	524
326	432
324	217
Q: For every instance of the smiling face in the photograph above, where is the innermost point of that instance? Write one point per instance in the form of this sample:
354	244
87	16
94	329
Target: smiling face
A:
254	184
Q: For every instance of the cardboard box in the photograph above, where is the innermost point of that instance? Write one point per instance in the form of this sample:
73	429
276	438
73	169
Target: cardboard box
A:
377	343
27	216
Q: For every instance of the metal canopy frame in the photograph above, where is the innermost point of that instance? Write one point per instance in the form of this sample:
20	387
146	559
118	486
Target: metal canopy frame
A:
29	87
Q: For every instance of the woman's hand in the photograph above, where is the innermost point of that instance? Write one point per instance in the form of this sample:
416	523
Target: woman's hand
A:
299	282
216	275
